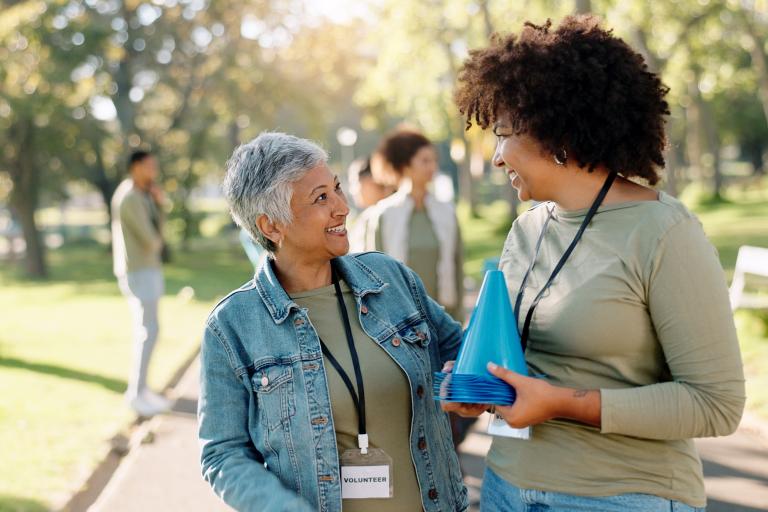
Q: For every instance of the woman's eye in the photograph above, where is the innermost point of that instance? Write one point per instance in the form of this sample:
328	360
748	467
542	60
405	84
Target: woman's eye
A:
321	197
499	135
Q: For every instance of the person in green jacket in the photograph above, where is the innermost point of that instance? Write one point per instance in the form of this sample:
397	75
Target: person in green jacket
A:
621	302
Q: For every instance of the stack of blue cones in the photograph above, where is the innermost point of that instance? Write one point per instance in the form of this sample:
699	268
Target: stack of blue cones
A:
491	336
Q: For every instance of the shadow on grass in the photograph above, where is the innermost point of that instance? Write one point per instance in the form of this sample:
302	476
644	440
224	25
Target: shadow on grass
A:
212	270
16	504
116	385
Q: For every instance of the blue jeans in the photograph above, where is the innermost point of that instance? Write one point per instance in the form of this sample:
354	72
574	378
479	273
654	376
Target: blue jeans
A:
498	495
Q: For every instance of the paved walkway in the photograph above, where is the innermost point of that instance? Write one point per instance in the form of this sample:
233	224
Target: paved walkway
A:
162	473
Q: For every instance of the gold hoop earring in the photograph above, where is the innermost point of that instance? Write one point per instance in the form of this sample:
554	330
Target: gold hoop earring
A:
560	158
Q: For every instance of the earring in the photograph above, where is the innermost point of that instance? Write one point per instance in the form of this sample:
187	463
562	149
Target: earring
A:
560	158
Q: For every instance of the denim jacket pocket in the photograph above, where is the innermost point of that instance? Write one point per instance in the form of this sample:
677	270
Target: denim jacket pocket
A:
416	334
273	384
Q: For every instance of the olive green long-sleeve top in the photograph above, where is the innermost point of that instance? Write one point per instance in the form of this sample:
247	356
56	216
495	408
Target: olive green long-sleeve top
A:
640	311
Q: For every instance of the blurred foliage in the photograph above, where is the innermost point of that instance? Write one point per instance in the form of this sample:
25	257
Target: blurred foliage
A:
85	82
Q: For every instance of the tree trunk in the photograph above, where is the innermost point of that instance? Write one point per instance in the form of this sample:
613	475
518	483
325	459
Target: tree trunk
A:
713	144
487	23
703	138
670	156
583	6
233	134
466	185
103	183
694	143
759	62
24	198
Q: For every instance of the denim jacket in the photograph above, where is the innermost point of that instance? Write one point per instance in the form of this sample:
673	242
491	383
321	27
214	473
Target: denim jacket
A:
265	424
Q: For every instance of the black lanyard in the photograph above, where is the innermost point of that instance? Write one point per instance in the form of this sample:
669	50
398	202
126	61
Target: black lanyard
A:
359	401
591	213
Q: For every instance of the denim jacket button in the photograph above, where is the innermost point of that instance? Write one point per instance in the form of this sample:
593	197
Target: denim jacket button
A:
396	342
264	381
298	321
433	494
422	444
363	309
420	391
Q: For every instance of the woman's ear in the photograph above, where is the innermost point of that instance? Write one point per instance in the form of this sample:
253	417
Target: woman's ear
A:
271	230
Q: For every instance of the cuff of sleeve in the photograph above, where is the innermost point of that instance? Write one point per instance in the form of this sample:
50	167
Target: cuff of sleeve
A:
611	405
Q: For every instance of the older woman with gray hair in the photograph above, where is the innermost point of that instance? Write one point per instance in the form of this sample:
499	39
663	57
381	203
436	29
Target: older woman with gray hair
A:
316	381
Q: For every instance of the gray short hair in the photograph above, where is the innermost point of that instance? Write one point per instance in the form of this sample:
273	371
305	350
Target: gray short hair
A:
259	177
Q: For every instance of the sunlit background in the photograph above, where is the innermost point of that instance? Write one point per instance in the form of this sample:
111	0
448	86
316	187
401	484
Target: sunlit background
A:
83	83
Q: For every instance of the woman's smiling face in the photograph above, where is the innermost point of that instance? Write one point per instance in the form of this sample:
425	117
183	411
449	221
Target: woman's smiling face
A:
319	210
524	161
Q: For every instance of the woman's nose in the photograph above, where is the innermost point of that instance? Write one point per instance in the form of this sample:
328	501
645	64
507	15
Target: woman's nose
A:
341	207
497	160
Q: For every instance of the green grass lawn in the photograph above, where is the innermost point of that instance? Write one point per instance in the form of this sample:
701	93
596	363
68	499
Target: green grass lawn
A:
65	353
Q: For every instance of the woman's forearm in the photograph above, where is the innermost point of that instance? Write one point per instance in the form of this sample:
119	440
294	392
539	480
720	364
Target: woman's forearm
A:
582	405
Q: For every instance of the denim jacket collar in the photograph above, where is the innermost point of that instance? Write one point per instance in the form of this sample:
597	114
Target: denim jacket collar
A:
360	278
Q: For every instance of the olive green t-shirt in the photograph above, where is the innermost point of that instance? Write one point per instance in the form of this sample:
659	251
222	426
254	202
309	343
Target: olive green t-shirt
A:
387	397
641	312
423	250
423	255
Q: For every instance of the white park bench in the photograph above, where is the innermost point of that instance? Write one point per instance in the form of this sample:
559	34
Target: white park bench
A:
750	260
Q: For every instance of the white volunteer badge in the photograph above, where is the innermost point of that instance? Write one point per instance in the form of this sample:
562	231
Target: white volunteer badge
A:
498	427
366	473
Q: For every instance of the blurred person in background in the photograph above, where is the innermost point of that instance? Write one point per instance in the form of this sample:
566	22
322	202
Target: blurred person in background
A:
365	190
620	298
137	250
324	360
413	226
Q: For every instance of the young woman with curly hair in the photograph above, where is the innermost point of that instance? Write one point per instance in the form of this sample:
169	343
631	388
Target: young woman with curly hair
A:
621	301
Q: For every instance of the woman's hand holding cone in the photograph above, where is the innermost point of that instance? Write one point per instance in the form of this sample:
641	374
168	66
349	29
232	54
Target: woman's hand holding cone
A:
538	401
462	409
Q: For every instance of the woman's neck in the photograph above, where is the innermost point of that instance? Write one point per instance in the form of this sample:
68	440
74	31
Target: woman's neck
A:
581	188
299	276
418	193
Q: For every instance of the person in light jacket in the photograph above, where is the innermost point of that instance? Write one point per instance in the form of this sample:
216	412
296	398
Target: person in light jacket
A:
412	225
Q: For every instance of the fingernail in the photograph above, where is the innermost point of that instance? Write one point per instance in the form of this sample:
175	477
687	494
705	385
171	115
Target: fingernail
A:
492	366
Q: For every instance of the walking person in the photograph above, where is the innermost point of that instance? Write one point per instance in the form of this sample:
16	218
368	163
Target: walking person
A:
316	376
137	248
621	301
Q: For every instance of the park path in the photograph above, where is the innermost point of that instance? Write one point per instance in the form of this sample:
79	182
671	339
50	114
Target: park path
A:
162	473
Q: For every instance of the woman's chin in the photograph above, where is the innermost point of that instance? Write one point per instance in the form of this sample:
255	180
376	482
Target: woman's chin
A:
340	248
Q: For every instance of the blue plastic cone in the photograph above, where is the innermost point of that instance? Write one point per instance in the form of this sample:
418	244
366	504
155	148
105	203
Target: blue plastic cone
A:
492	333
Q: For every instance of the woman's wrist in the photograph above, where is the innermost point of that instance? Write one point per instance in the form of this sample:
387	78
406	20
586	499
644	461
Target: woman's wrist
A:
582	405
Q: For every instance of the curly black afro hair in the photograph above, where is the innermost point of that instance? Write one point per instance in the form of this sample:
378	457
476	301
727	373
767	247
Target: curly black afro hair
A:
577	88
